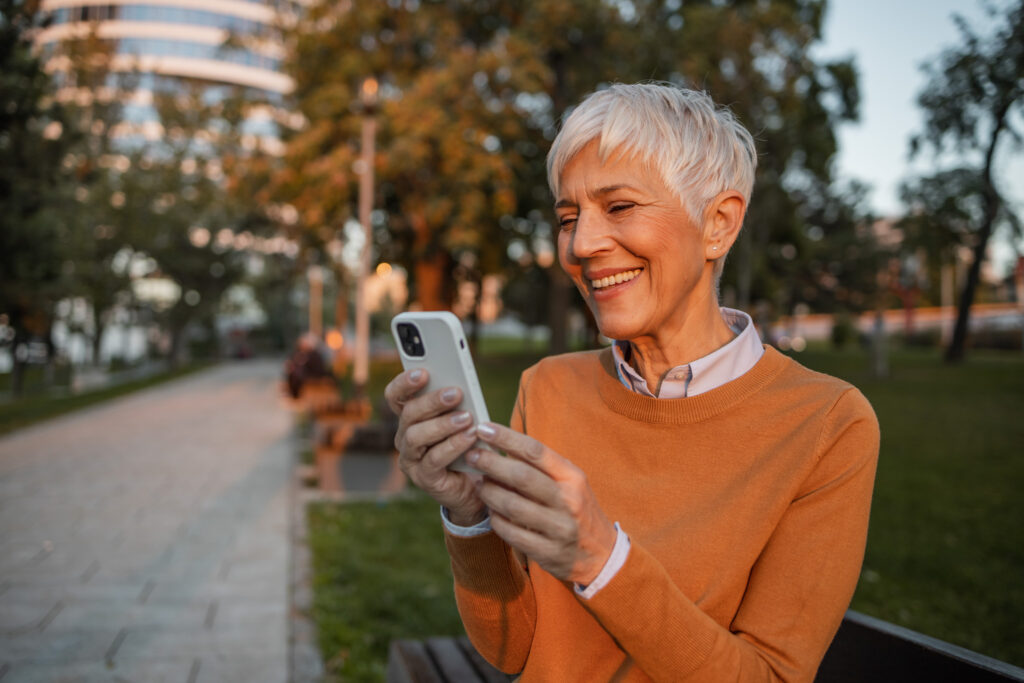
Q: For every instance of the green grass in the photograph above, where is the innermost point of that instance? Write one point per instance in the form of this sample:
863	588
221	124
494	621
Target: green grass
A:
944	551
30	409
380	572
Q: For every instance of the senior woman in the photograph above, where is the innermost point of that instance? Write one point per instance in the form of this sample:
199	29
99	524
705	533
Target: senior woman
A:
685	504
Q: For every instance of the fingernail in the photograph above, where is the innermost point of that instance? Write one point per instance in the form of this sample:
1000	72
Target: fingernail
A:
460	419
485	430
416	375
473	457
449	395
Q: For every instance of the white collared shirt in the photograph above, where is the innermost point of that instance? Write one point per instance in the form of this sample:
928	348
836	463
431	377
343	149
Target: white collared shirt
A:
717	368
704	374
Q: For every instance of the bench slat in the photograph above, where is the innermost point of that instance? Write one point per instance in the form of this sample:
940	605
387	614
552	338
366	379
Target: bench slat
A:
869	649
408	662
451	660
488	673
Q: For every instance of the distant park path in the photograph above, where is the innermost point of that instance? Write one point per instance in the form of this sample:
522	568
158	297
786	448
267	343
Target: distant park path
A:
146	539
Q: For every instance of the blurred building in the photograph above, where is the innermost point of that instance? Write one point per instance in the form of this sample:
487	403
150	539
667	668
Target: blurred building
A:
219	49
226	47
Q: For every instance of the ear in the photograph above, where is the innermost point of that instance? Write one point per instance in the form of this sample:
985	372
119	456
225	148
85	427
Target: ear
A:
722	223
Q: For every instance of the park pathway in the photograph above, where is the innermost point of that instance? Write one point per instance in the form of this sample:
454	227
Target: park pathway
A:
146	539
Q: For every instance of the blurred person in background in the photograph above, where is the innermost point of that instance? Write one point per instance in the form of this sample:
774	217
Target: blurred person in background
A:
305	363
686	504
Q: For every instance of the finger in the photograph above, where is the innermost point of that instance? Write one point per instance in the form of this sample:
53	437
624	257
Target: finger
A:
516	475
431	431
443	453
527	541
522	511
527	449
403	387
429	405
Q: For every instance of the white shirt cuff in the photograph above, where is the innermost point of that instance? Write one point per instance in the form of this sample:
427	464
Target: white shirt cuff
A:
615	561
479	529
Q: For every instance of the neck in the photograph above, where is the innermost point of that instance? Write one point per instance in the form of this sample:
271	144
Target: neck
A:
700	331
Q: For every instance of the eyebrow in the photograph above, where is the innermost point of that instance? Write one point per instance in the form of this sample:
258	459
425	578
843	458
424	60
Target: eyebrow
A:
600	192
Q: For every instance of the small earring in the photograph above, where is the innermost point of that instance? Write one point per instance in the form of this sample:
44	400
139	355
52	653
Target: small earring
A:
715	247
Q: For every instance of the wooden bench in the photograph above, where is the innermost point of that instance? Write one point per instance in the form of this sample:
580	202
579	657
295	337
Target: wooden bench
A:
869	649
439	660
866	650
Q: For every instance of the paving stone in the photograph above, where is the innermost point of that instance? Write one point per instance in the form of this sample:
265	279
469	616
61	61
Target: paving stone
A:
59	646
159	671
146	539
232	669
206	644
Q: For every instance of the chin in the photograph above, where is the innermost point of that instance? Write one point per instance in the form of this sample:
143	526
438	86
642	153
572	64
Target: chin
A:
618	330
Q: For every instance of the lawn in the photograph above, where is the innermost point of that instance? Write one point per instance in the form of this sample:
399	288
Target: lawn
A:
944	552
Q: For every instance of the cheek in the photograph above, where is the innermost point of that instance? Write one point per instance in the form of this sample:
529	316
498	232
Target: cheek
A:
565	258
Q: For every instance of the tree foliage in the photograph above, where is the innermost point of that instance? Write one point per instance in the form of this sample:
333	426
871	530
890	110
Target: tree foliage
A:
473	91
32	245
89	196
972	104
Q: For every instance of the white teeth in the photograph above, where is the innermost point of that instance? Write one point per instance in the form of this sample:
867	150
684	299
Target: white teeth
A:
616	279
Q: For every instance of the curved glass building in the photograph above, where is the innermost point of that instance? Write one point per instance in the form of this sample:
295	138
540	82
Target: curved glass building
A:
224	45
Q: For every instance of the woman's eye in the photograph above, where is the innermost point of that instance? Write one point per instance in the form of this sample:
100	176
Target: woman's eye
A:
615	208
566	221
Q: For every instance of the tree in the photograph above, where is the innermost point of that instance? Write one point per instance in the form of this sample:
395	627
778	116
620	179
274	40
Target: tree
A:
32	184
178	193
972	102
445	176
473	92
98	230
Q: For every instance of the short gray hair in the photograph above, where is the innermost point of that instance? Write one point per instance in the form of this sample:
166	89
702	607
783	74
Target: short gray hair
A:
699	148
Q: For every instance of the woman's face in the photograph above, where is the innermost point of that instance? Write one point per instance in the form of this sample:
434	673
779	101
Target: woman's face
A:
630	247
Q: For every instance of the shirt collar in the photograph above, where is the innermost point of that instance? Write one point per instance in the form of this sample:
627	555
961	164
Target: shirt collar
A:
723	365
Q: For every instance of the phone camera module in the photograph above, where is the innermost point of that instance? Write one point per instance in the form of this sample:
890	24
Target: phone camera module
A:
409	335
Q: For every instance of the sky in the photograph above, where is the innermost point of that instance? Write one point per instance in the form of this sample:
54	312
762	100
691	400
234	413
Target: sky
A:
889	40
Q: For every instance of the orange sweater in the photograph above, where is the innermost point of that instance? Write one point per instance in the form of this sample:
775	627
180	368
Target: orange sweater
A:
747	512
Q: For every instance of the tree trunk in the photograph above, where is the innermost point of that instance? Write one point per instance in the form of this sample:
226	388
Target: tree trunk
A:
558	315
561	286
17	365
177	337
474	315
430	270
430	283
744	269
97	339
957	348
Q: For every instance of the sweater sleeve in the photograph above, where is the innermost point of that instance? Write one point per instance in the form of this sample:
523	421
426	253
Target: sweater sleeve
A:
493	592
798	589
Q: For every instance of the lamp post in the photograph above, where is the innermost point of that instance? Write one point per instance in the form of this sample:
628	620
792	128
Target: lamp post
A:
315	275
361	368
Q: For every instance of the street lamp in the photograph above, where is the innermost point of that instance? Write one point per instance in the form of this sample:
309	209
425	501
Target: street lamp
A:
361	368
315	275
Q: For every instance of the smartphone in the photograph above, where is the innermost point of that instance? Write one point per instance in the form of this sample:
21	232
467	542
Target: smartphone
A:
433	340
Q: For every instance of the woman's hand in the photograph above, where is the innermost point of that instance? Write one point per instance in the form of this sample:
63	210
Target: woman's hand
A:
429	438
542	505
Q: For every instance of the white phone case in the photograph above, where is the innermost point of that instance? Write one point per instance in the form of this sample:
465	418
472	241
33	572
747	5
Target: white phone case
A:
447	359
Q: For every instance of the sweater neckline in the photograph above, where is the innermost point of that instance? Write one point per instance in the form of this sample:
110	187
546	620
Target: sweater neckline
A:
690	409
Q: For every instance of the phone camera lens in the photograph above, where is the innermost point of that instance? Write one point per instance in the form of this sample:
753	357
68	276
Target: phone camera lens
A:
410	338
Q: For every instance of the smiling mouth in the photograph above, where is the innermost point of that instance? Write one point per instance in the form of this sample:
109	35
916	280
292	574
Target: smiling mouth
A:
616	279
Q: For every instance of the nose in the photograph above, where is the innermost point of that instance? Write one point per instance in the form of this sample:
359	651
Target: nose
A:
591	236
